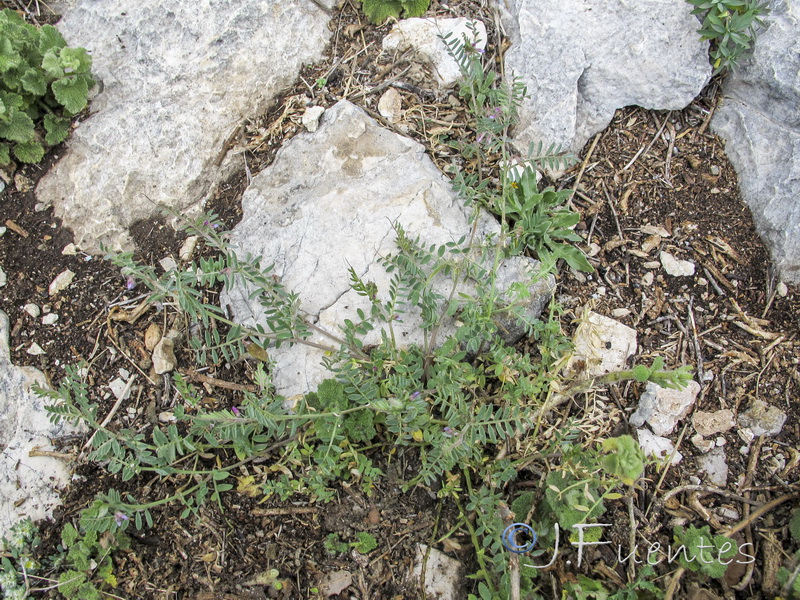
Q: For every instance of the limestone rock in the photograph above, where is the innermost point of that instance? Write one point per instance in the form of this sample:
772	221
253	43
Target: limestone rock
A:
759	118
657	446
358	178
177	80
662	408
676	267
164	355
390	106
424	36
311	117
715	466
28	484
602	345
444	576
763	419
583	59
61	282
711	423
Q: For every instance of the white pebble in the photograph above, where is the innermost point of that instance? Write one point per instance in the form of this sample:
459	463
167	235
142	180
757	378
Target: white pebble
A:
61	282
32	309
49	319
35	349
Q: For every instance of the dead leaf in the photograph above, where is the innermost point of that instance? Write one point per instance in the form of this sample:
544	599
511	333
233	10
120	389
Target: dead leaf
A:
335	583
257	352
655	230
654	241
450	545
247	486
723	246
152	336
614	244
265	578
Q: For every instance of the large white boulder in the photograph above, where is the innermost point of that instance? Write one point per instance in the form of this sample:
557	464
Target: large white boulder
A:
759	118
28	484
583	59
328	203
178	78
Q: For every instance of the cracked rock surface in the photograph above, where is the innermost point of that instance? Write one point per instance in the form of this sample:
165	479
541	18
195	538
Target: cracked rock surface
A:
177	80
28	484
582	60
328	203
759	118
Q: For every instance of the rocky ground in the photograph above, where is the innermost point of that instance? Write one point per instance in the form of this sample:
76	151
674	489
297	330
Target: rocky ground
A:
677	259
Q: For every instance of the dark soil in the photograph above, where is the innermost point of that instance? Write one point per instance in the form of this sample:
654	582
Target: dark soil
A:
682	183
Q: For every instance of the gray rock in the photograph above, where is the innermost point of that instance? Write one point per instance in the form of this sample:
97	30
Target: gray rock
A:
444	576
424	36
583	59
357	179
601	345
658	447
311	117
759	118
164	355
662	408
676	267
762	419
178	79
28	484
711	423
715	466
61	282
3	278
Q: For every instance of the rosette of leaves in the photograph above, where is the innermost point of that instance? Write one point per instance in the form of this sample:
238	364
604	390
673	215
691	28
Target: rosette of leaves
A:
378	11
703	551
43	84
543	222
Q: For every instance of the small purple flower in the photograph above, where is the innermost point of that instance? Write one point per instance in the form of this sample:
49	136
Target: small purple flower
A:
120	517
130	282
448	432
236	411
415	395
208	223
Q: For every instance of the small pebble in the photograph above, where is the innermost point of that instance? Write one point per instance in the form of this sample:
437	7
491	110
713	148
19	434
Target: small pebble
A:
782	290
35	349
311	118
618	313
648	278
3	278
185	253
61	282
676	267
2	229
715	170
23	183
168	264
32	309
49	319
70	250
